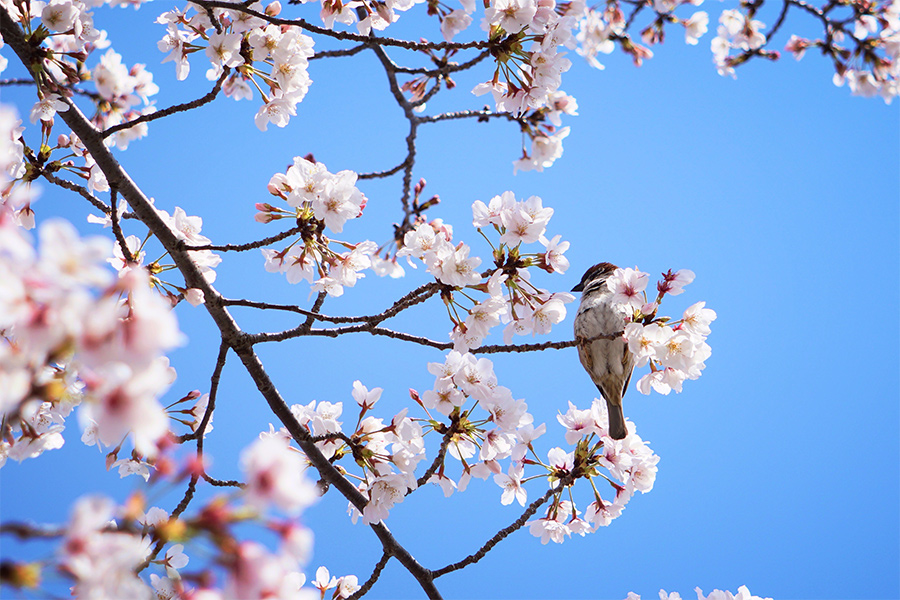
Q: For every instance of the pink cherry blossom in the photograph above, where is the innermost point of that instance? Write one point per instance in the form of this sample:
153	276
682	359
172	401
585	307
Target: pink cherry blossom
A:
275	474
627	286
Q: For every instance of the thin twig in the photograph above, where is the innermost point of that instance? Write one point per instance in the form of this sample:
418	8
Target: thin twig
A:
165	112
342	35
25	531
376	573
500	535
249	245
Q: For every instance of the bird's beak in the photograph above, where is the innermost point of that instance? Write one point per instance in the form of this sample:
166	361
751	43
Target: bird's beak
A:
578	288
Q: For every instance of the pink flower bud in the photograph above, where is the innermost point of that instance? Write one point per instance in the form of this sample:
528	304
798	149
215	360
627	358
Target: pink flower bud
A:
273	9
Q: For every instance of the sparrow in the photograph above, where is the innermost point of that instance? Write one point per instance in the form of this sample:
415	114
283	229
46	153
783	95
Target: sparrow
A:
609	362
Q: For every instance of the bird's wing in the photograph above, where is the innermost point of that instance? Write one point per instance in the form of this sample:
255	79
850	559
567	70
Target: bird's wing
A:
628	365
586	355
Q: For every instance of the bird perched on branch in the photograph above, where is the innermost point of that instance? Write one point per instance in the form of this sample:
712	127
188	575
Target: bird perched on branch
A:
603	353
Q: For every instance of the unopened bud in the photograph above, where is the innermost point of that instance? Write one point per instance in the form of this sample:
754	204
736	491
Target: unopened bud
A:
163	467
433	201
273	9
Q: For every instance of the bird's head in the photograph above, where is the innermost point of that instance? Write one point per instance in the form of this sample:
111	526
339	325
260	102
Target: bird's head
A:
595	277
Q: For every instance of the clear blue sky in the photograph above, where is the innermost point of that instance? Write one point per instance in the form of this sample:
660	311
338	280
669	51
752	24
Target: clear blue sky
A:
779	467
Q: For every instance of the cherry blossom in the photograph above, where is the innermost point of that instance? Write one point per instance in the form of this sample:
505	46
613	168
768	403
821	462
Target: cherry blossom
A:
276	475
696	27
47	107
696	319
454	23
258	573
735	31
365	398
627	286
596	31
512	486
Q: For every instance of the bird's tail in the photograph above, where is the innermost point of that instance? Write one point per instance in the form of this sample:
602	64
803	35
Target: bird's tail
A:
617	430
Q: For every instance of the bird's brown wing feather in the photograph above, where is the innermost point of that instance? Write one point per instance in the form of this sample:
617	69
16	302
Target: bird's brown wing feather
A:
585	355
628	365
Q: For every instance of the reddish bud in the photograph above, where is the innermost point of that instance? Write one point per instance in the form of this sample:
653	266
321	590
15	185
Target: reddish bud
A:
415	396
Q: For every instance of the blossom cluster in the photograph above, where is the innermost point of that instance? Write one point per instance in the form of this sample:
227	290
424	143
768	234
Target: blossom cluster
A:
464	387
67	27
675	350
16	192
743	594
269	58
597	33
106	548
130	253
72	335
388	453
126	96
15	200
318	200
487	430
600	30
99	558
546	139
629	461
512	298
873	67
736	31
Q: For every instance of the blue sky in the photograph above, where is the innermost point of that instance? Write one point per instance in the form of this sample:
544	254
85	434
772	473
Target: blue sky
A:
779	467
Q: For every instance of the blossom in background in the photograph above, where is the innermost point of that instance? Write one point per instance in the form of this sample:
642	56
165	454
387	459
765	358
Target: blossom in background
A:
276	475
743	594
